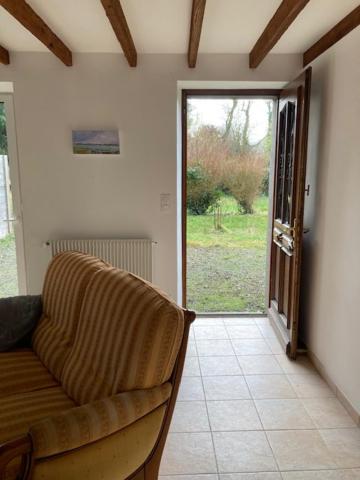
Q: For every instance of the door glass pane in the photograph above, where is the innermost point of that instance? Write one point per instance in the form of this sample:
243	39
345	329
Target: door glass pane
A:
8	267
281	163
288	180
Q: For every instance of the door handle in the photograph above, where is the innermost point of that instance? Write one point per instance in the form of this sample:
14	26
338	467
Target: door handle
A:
277	237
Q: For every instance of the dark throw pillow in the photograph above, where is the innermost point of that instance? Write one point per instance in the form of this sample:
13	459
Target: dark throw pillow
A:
18	318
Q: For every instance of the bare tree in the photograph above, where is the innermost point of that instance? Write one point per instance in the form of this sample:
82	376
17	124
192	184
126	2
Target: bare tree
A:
245	142
237	126
229	119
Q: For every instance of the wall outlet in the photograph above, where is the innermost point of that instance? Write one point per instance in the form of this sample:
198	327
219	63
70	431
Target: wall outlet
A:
165	202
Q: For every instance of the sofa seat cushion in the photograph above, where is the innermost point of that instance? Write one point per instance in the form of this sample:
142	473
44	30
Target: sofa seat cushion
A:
18	412
21	371
65	282
128	338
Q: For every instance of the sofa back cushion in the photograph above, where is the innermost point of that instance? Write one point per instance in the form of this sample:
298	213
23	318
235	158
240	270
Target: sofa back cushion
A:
65	282
128	338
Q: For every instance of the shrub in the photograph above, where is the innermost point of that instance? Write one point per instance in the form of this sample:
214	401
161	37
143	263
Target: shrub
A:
208	150
265	184
201	190
213	168
244	179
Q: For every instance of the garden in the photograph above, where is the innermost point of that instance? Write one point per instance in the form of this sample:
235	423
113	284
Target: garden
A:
8	272
8	269
227	210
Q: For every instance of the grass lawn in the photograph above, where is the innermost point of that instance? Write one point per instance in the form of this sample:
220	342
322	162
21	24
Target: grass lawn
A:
226	268
8	272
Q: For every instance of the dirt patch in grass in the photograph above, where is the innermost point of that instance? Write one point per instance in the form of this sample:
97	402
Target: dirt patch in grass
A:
226	279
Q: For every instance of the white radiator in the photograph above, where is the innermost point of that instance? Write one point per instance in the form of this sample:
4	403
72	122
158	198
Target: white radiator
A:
133	255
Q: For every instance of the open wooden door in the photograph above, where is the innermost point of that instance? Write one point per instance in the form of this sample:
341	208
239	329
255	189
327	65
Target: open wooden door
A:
288	210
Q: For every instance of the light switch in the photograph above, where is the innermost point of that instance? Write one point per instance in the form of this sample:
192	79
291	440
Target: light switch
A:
165	202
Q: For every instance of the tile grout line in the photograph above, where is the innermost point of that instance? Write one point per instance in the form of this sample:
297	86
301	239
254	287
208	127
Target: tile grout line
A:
307	429
208	419
241	369
345	469
267	439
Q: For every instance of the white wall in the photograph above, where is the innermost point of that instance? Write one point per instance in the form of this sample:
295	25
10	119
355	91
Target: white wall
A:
68	196
331	280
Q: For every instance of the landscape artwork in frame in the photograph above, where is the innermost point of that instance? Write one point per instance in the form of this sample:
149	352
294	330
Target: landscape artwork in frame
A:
98	142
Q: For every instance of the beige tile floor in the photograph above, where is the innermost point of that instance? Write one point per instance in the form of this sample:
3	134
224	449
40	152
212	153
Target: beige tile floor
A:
246	412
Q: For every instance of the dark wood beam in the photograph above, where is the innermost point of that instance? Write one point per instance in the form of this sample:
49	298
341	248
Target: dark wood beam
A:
4	56
24	14
197	16
280	22
121	29
345	26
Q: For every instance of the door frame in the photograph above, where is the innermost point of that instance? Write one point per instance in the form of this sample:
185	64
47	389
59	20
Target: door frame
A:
14	173
216	93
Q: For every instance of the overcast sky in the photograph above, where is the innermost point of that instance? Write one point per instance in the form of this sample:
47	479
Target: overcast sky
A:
212	111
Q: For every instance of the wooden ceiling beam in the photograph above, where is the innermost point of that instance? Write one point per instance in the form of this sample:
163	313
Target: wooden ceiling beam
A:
4	56
197	17
121	29
280	22
341	29
24	14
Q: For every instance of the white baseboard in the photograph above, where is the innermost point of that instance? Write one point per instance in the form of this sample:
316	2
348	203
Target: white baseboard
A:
355	415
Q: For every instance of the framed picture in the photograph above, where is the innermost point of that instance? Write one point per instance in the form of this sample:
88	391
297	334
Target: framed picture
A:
98	142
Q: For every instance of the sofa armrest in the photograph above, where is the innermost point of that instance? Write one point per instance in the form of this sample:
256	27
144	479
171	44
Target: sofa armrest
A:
18	319
88	423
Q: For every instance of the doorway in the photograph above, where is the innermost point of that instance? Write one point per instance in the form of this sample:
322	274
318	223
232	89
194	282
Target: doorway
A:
227	151
12	261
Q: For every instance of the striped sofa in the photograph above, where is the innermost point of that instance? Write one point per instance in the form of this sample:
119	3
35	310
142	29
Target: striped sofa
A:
94	395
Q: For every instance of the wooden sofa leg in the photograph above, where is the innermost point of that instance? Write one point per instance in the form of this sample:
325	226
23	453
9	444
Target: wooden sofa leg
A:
20	447
139	475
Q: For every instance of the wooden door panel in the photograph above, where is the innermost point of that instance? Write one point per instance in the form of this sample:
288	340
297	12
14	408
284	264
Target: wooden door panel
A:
287	286
288	209
277	286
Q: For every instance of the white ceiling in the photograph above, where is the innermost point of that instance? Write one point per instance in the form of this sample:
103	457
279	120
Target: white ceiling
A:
162	26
